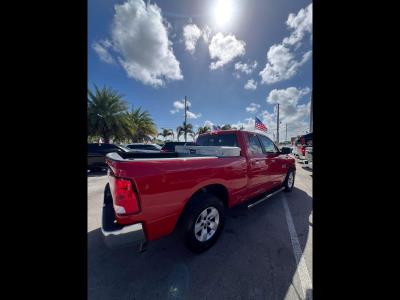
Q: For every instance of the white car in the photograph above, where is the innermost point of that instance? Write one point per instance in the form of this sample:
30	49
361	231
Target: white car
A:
308	157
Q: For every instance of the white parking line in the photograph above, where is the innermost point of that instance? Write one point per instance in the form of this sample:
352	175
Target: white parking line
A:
302	271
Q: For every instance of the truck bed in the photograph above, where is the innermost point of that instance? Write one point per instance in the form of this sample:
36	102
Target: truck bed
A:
151	156
181	152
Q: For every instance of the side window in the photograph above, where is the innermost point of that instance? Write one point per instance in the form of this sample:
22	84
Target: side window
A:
254	144
268	145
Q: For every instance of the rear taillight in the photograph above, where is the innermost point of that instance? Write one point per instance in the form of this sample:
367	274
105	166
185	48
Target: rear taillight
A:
124	196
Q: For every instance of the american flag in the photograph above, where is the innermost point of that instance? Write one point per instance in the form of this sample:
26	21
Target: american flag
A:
260	126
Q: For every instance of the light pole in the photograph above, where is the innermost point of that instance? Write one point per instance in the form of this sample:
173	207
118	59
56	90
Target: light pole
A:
185	118
277	125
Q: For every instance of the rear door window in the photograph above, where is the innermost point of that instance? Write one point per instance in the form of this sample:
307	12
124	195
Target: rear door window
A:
254	145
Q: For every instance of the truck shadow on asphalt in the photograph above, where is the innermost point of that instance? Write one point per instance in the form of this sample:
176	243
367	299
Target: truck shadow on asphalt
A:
253	259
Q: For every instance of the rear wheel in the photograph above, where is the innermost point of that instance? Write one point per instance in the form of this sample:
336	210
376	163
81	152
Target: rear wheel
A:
202	222
289	181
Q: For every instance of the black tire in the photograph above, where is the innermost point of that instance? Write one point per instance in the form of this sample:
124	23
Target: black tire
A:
286	184
191	214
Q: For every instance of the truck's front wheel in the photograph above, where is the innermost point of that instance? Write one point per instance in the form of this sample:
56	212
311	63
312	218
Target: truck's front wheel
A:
289	181
202	222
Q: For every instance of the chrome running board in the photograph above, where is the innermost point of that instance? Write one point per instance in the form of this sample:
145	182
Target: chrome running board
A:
265	198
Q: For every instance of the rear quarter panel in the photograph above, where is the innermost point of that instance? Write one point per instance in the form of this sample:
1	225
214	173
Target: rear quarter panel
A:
164	186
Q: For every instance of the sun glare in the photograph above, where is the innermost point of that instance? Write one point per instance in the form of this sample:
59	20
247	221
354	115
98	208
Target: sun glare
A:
223	12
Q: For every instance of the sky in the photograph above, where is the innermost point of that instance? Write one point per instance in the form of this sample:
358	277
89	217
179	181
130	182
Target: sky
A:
233	59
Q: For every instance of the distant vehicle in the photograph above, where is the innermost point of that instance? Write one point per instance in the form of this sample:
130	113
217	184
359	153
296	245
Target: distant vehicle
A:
170	146
301	143
151	195
97	153
141	146
308	157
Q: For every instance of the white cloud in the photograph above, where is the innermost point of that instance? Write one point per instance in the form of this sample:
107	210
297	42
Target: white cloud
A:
208	123
289	110
253	107
191	34
206	34
140	37
250	84
297	123
179	105
191	115
282	63
224	49
300	24
245	68
101	49
247	124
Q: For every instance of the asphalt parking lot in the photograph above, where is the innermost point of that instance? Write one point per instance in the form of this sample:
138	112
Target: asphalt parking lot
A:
263	253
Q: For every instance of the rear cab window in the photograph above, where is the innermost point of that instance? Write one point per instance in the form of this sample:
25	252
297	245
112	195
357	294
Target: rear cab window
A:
170	146
220	139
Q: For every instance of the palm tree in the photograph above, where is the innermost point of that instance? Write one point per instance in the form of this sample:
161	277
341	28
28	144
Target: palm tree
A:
106	114
226	127
166	132
193	135
184	129
142	125
204	129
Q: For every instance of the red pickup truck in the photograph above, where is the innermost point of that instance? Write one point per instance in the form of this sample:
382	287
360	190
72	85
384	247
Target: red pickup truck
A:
151	195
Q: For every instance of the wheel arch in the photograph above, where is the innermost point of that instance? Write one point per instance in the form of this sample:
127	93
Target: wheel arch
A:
218	190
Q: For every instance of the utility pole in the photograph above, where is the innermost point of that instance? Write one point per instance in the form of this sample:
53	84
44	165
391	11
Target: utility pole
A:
311	114
185	119
277	125
286	133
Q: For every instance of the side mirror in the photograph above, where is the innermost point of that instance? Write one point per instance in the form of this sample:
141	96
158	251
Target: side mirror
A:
286	150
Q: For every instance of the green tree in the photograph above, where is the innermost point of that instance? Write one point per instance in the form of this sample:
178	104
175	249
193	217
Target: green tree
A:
107	114
184	129
202	130
193	135
141	124
166	132
226	127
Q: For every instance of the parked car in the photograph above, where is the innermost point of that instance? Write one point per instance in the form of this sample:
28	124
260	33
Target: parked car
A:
308	157
142	146
97	153
170	146
301	143
151	195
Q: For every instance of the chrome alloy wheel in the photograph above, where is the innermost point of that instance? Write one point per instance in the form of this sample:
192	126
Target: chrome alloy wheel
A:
290	180
206	224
